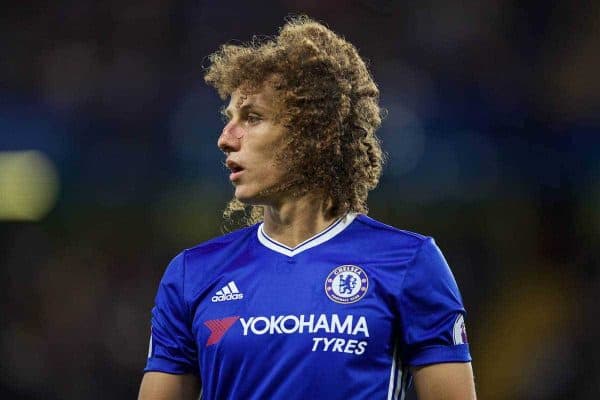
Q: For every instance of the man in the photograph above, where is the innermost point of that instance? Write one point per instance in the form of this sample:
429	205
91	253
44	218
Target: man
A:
318	301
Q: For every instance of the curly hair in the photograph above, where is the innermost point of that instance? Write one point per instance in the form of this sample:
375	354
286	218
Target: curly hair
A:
330	107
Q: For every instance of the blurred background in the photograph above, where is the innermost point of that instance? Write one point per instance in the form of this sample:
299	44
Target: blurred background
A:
109	168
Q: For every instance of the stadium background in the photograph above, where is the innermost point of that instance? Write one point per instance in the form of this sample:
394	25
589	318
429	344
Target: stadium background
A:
108	168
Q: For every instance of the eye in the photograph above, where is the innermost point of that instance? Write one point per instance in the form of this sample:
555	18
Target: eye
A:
253	119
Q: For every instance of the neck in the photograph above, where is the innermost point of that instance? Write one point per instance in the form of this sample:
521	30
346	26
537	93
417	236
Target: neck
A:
295	221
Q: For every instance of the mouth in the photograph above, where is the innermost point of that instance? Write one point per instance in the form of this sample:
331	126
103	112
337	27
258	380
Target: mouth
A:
235	168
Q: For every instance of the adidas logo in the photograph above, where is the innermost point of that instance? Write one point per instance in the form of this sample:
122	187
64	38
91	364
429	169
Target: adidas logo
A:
227	293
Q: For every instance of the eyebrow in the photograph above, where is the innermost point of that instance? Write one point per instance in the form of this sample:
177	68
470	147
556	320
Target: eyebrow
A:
226	111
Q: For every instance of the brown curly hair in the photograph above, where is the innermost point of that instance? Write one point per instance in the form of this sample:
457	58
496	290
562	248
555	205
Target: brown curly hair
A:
330	109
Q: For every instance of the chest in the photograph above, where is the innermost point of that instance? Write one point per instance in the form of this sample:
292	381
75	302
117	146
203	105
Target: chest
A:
296	307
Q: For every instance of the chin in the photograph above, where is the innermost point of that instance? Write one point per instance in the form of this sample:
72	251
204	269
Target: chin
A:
245	196
251	197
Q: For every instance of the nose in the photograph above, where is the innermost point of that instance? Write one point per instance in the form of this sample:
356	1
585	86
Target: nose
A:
230	137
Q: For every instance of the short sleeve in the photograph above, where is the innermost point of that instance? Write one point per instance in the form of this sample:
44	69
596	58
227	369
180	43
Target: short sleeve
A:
172	347
431	311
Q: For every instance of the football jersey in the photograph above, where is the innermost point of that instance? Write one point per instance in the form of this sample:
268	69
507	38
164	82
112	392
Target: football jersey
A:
340	316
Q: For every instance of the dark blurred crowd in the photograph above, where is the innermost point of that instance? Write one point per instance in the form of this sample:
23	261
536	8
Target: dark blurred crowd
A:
492	135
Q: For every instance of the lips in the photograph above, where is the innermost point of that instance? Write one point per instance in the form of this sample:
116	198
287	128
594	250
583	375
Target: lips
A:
235	168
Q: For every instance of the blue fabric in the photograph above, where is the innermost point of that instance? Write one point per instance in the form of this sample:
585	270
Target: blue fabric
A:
290	331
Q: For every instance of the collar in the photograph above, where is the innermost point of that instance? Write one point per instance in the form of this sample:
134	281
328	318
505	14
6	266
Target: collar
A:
328	233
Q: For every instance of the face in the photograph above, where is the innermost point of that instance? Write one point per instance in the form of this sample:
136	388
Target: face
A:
250	140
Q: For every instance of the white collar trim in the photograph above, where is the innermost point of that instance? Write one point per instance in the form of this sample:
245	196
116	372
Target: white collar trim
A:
321	237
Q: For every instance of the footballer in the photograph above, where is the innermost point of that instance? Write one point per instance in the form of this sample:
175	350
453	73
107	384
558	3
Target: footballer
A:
313	299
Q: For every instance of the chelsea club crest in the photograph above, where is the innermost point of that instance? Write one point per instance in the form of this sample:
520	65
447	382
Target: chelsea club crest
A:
346	284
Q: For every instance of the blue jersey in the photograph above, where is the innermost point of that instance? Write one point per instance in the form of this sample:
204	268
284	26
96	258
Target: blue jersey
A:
340	316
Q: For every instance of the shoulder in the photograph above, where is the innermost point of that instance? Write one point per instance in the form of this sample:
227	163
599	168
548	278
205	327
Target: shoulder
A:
390	230
211	252
390	237
196	267
220	244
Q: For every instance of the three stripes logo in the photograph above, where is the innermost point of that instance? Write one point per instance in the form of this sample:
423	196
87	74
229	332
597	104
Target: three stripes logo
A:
227	293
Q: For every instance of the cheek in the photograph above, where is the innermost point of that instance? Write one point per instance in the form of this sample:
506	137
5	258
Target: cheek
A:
270	170
268	158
